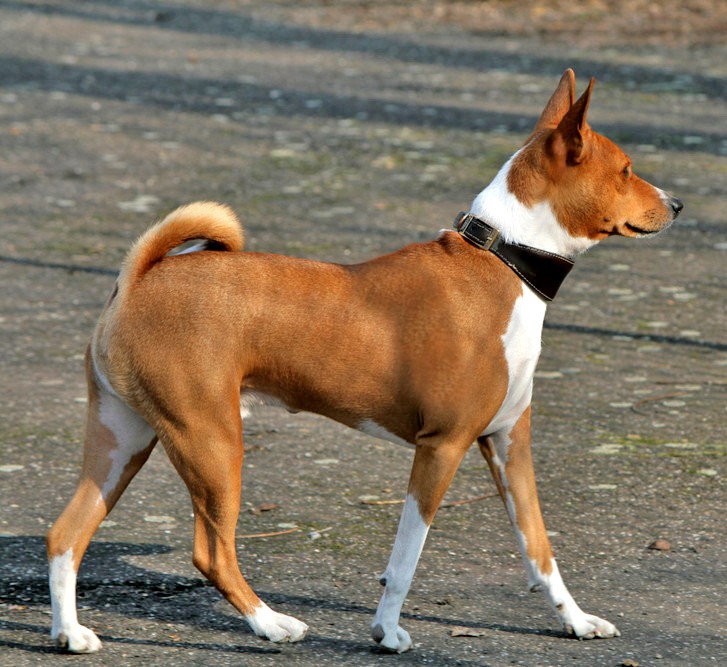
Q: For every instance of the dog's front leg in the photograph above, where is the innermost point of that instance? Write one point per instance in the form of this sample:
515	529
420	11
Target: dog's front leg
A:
433	469
509	457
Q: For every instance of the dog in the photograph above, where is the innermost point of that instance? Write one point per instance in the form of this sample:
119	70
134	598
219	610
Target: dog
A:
434	346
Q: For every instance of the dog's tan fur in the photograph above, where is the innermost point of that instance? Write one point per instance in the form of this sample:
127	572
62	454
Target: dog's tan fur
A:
411	342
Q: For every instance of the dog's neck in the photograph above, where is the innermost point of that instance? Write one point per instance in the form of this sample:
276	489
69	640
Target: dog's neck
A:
534	226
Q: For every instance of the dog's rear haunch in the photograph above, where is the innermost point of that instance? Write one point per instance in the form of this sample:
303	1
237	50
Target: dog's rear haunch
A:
434	345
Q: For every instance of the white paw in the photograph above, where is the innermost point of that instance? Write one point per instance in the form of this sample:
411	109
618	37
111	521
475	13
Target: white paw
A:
77	639
394	639
276	627
591	627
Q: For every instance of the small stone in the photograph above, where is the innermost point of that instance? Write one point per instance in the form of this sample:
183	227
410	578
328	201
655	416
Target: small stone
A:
660	545
151	518
326	462
266	507
548	375
629	662
462	631
11	468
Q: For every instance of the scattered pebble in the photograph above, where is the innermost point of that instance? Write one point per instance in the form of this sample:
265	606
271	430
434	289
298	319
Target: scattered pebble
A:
142	204
160	518
708	472
326	462
607	449
10	467
621	405
462	631
629	662
660	545
681	445
265	507
548	375
602	487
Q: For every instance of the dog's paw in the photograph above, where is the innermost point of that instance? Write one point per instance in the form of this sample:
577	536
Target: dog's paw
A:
78	639
276	627
395	639
591	627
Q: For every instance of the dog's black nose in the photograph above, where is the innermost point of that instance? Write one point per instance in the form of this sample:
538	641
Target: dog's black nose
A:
676	206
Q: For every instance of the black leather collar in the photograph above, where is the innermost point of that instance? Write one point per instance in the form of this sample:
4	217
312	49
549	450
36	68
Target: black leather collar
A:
542	271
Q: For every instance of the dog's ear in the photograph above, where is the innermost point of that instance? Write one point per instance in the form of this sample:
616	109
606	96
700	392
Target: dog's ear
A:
573	129
560	102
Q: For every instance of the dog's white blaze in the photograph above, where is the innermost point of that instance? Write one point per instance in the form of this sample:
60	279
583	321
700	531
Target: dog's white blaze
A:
408	545
132	436
537	226
370	427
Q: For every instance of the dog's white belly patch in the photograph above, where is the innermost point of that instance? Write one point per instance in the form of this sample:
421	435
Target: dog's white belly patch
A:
521	342
370	427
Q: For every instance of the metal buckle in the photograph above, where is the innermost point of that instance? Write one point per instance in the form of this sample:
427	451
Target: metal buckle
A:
476	231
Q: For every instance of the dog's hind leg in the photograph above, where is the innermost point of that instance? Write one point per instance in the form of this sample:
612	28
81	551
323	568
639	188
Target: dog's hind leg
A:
117	444
434	467
207	450
510	460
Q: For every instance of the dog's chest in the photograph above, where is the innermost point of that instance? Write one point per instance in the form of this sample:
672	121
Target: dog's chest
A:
521	342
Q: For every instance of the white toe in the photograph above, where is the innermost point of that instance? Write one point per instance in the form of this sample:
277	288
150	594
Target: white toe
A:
276	627
396	639
592	627
78	639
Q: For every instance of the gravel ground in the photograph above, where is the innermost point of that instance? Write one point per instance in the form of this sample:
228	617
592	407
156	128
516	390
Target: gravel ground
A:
339	131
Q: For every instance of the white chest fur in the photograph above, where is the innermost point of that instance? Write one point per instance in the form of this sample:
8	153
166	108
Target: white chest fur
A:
522	341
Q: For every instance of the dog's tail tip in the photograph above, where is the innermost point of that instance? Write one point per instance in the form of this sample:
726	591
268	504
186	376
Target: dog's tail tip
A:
216	225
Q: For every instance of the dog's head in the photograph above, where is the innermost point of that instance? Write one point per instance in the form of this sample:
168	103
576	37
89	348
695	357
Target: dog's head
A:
587	180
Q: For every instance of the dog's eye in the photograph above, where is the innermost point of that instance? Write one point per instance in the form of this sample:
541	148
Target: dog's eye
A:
627	171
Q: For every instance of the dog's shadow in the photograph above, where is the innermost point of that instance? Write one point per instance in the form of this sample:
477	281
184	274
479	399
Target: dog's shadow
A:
110	582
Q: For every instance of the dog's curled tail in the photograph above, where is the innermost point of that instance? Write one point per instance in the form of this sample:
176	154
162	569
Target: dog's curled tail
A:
215	225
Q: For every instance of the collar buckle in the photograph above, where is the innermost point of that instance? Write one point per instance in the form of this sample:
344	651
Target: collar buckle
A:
475	231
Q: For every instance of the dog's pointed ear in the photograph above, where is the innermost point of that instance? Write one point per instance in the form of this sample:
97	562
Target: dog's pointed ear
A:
573	128
560	102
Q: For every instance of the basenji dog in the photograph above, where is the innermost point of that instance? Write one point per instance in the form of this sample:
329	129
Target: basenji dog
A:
434	346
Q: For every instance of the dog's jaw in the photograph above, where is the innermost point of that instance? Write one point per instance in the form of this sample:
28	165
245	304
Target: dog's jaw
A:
535	226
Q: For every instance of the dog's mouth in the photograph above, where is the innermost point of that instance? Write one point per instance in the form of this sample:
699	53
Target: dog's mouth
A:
640	231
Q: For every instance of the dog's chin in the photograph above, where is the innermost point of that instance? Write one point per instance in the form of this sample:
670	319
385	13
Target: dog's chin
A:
634	231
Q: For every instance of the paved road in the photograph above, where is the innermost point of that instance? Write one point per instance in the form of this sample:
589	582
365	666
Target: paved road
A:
339	133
